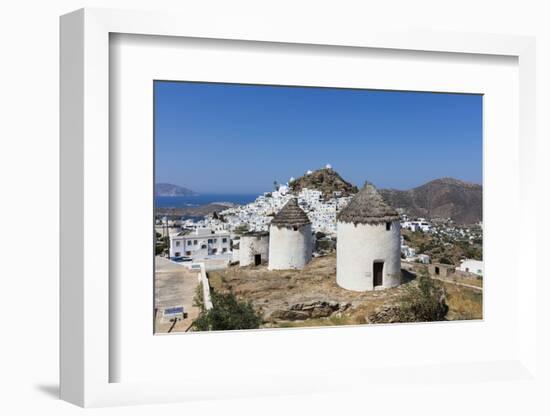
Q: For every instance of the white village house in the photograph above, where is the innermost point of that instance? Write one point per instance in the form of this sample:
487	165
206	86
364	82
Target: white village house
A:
368	250
200	243
471	266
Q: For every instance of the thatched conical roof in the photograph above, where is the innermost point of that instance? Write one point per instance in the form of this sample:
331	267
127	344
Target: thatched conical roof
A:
291	215
368	207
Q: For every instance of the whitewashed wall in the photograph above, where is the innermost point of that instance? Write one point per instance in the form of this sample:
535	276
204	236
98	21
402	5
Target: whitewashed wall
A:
250	246
289	249
359	246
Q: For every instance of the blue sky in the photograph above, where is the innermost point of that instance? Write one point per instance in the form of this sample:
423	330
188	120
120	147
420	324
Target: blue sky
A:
232	138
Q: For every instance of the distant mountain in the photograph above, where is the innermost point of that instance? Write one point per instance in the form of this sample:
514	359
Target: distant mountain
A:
325	180
443	198
168	189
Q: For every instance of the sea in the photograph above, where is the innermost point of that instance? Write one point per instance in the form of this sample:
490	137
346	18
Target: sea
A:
202	199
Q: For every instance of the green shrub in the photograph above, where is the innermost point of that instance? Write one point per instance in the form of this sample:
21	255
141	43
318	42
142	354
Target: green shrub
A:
198	299
240	229
445	260
424	302
159	248
227	313
324	245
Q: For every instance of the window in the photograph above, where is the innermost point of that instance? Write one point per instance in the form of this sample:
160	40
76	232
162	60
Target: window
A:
195	242
177	243
295	228
177	254
224	250
203	246
224	240
214	250
209	241
215	240
187	253
189	242
388	226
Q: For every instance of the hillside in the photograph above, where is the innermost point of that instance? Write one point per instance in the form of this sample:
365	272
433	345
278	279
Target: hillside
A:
168	189
443	198
325	180
311	297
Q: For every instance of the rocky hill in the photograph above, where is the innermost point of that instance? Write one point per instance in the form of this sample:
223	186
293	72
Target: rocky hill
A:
168	189
443	198
325	180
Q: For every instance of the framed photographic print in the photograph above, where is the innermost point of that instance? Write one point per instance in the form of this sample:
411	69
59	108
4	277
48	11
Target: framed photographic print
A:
253	213
245	249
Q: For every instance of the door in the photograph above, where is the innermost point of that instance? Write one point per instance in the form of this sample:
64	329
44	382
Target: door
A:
257	259
378	268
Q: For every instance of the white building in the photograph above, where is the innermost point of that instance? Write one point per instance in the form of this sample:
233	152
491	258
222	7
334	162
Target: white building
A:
254	248
200	243
407	251
424	259
420	225
471	266
290	239
368	249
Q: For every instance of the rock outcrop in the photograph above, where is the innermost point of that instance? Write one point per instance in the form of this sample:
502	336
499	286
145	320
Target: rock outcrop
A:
326	180
310	310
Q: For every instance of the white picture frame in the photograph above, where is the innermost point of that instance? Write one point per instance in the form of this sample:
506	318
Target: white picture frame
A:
87	355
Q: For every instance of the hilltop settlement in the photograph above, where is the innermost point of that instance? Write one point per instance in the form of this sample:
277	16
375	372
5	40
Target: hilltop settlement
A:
318	250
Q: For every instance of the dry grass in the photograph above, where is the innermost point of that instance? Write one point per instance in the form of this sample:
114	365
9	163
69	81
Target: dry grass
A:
464	303
468	280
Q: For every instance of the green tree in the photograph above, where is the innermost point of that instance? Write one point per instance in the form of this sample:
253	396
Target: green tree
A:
227	313
445	260
159	248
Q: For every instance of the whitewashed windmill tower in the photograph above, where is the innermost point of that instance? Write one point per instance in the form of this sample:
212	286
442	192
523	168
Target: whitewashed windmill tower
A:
290	241
254	248
368	252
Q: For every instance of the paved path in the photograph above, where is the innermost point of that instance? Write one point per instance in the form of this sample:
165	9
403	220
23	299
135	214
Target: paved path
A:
175	285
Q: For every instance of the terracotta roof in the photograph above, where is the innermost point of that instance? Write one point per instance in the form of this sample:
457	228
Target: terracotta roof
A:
368	207
291	215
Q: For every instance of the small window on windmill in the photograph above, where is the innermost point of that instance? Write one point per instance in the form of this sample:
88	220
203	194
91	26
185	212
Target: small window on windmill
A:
388	226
